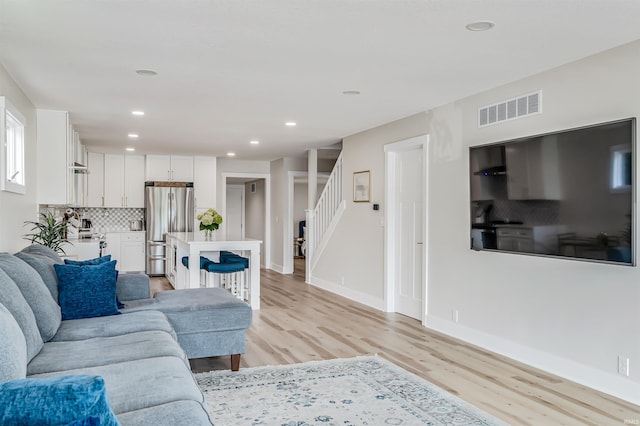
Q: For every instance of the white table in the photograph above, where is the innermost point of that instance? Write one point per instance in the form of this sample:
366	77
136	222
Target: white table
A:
193	244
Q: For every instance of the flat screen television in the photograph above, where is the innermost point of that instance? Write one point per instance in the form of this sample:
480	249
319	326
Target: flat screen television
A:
569	194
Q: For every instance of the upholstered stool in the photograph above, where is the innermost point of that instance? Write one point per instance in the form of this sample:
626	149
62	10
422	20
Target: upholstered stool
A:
231	276
203	272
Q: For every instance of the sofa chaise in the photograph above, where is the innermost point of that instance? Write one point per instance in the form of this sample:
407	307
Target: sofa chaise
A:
140	355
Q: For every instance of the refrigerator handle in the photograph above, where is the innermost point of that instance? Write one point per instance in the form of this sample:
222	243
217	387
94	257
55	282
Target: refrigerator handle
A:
171	211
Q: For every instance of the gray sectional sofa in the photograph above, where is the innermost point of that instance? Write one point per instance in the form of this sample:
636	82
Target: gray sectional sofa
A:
146	371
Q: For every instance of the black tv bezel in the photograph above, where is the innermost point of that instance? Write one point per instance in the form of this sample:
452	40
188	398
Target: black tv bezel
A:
634	189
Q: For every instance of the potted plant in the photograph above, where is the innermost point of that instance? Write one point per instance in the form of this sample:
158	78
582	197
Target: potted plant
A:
209	222
49	232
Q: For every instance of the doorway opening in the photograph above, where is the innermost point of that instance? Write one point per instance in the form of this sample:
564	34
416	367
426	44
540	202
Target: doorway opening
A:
246	208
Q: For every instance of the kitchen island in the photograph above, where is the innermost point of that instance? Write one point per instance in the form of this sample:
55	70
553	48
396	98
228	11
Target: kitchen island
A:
194	245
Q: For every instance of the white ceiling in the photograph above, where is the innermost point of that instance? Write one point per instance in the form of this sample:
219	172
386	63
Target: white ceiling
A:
234	70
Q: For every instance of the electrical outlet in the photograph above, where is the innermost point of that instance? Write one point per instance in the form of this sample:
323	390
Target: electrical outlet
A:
454	315
623	365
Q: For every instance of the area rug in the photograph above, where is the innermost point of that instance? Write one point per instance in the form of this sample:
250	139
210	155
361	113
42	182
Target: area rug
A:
354	391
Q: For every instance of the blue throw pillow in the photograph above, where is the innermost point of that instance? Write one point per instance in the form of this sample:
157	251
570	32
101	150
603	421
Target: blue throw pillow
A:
96	261
56	401
87	291
93	262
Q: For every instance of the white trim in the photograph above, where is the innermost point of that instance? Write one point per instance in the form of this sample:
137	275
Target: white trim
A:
277	268
6	107
266	244
287	223
612	384
354	295
418	142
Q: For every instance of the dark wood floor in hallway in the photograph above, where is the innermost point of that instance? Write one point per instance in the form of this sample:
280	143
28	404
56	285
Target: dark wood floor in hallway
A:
299	323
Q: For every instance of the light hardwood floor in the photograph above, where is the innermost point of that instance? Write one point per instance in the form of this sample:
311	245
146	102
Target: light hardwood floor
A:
299	323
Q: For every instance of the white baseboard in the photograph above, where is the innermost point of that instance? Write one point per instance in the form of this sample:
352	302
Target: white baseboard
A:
277	268
609	383
348	293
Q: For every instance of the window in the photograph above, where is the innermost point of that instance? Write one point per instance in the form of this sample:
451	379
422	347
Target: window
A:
12	169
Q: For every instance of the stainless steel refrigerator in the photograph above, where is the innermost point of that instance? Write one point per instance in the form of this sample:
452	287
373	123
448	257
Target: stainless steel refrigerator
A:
168	208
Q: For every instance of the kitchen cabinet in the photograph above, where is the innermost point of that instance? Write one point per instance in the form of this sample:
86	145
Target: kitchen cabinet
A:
61	171
128	249
123	181
533	170
174	168
204	182
95	180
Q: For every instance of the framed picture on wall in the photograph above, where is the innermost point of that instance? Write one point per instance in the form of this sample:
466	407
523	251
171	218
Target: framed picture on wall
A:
361	186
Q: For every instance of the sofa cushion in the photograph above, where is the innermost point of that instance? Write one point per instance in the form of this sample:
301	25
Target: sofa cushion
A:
12	299
13	350
87	291
61	356
143	383
55	401
96	261
43	266
35	292
204	309
112	326
189	413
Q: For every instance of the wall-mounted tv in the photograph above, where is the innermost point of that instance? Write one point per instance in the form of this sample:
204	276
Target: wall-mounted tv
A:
569	194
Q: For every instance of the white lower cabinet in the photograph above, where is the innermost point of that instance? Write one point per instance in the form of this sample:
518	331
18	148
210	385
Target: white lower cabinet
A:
128	249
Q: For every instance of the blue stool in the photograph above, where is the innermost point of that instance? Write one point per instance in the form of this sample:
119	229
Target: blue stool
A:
203	272
230	276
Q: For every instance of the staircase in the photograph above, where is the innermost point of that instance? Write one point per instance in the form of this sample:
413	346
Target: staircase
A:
322	219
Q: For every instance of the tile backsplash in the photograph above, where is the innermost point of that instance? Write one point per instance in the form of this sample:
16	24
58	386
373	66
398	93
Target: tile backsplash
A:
103	219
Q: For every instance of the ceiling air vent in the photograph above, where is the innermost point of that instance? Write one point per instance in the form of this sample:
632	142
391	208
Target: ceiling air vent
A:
510	109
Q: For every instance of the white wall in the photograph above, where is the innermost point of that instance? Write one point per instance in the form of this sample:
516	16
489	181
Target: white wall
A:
568	317
16	208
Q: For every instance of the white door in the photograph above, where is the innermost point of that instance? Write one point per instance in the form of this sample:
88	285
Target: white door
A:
409	244
235	212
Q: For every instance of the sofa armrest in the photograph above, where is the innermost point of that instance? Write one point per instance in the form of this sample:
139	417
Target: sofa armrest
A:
132	287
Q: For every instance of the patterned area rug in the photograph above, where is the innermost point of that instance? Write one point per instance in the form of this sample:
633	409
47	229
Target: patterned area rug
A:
354	391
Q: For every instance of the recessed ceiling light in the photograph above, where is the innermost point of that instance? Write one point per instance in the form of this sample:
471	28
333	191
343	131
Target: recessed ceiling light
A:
480	26
146	73
131	149
351	92
137	112
290	124
133	135
254	142
231	154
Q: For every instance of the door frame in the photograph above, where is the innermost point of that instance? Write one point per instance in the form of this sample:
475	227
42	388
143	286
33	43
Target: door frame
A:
266	244
390	196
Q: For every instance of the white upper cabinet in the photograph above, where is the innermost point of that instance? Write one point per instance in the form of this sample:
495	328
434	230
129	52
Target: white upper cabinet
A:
60	181
204	182
123	181
95	181
169	168
134	181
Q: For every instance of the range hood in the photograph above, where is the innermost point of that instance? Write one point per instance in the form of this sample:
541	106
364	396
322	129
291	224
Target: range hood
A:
491	161
79	168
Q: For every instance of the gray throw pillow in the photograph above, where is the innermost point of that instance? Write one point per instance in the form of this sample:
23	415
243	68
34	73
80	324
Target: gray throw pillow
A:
13	350
35	292
12	299
44	266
